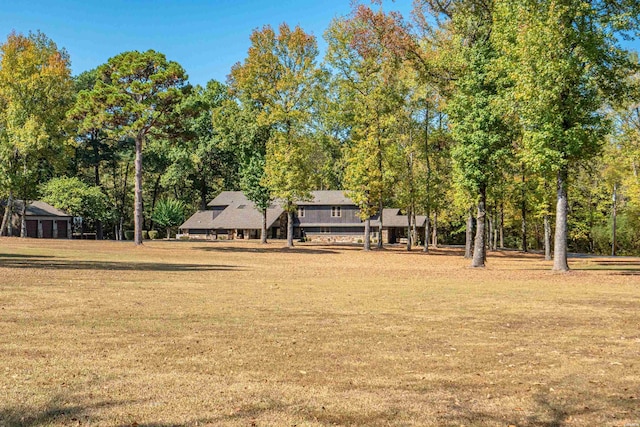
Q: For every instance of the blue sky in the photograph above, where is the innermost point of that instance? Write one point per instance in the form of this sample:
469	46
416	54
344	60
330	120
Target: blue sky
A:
205	37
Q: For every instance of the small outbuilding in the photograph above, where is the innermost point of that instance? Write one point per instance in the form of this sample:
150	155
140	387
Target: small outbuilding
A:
43	221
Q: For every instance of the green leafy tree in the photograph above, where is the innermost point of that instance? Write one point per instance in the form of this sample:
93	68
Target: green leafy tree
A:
77	199
169	213
560	91
136	95
369	81
478	126
93	145
35	94
201	161
251	179
278	78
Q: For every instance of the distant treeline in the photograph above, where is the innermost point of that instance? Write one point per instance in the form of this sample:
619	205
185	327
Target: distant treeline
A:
508	123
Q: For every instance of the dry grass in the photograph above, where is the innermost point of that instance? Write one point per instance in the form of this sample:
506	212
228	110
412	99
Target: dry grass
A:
102	333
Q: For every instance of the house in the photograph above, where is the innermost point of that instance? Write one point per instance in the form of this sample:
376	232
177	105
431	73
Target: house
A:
328	216
43	221
232	216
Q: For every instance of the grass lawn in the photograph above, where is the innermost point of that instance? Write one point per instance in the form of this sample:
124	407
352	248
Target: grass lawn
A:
238	334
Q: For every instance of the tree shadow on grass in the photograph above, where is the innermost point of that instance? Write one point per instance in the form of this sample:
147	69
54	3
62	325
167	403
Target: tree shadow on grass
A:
624	267
302	250
55	412
24	256
53	263
546	414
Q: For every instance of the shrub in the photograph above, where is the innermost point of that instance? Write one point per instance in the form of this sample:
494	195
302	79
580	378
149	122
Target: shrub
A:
169	213
153	234
145	234
128	234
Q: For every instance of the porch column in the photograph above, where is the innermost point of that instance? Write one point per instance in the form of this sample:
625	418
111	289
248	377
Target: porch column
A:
39	229
69	233
55	229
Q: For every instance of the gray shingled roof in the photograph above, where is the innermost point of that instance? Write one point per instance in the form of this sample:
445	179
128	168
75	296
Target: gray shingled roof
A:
392	217
327	197
227	198
239	214
199	220
244	215
38	208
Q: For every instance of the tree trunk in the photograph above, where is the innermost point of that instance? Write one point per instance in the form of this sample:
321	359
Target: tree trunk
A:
156	188
367	234
560	242
414	230
523	210
495	230
501	225
289	228
547	238
23	219
468	248
434	230
613	220
409	231
6	219
426	153
96	170
379	245
168	233
263	231
490	231
426	234
479	247
137	215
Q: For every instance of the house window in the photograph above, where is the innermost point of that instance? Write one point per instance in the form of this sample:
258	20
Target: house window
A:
300	211
335	211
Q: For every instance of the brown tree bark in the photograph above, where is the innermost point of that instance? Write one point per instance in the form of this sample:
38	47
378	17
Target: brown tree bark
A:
434	230
613	220
367	234
426	234
547	238
96	170
23	219
409	231
501	225
560	243
137	215
479	247
289	228
468	249
379	244
263	230
490	232
6	218
523	210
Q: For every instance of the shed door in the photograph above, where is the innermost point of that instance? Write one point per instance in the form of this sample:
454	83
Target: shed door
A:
62	229
32	228
47	228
